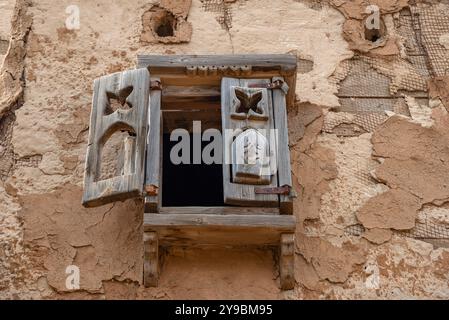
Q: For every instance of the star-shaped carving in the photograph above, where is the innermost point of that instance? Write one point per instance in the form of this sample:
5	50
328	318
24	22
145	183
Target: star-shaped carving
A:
249	104
118	100
248	101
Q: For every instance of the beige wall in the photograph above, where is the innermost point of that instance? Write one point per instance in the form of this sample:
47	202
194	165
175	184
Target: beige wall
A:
340	186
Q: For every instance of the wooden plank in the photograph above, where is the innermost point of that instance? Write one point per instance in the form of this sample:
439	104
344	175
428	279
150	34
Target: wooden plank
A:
286	261
151	259
193	98
220	210
131	87
153	177
223	230
185	70
284	63
237	193
232	221
283	151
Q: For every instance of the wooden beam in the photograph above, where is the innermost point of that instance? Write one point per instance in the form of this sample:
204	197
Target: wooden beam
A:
190	70
151	259
283	151
220	210
224	230
284	63
286	261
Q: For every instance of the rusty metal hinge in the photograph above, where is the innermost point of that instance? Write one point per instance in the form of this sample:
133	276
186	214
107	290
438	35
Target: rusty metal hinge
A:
151	190
284	190
277	84
155	85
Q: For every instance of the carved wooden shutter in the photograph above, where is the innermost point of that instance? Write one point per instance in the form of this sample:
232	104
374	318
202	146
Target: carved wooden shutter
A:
256	167
129	88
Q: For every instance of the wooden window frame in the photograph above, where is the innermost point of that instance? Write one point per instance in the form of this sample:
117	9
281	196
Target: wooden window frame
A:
173	81
179	77
211	226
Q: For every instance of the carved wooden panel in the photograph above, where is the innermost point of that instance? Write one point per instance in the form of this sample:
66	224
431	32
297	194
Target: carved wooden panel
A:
130	91
249	143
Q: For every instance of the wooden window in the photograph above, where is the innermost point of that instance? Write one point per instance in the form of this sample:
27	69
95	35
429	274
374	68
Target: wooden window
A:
245	97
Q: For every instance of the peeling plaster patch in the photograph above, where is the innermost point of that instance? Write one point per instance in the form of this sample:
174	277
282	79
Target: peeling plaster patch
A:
167	23
105	242
378	236
394	209
417	160
330	262
312	165
354	184
352	124
354	28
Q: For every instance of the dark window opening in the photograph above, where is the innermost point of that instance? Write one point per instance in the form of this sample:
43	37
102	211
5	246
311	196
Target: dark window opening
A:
166	25
190	185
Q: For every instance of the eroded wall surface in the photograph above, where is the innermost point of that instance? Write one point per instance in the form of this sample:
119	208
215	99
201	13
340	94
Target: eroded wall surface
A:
368	139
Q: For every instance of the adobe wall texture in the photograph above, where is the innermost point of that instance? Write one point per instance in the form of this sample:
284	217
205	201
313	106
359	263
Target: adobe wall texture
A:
368	135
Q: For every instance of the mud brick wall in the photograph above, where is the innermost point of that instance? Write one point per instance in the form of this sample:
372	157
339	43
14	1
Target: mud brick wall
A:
368	139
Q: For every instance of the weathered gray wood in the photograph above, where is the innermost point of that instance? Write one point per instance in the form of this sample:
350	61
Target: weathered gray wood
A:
178	63
220	210
151	259
238	193
103	125
188	70
233	230
286	261
283	151
153	174
205	220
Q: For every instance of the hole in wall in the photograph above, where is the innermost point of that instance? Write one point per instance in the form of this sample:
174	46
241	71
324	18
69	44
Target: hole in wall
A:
161	25
375	34
165	25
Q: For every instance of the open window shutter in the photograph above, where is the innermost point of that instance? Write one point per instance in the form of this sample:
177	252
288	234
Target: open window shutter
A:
129	88
256	166
250	142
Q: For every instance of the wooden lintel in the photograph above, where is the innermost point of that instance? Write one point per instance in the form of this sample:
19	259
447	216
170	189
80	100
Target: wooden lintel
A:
284	63
191	70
